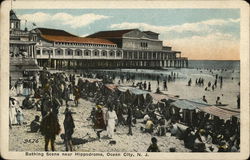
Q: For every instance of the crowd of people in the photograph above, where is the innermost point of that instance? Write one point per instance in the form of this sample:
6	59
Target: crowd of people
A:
49	91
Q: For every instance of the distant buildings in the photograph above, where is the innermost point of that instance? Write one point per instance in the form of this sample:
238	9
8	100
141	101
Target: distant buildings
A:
59	49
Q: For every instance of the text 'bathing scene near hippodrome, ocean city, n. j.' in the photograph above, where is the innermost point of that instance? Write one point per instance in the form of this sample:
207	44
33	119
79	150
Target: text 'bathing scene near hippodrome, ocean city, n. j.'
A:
116	91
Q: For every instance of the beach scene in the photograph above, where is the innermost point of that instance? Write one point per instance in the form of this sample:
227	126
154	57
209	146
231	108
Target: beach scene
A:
98	80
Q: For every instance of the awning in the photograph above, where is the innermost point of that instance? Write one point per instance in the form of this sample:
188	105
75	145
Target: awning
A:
159	97
111	87
123	89
138	91
91	80
219	112
132	90
188	104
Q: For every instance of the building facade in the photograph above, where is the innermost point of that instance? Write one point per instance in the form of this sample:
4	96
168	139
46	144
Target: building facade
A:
143	49
21	48
59	49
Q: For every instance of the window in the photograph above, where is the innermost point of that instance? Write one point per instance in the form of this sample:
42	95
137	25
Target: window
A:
140	55
154	55
104	53
59	51
144	44
145	55
118	53
78	52
125	54
69	52
47	51
111	53
135	55
130	55
87	53
38	52
96	53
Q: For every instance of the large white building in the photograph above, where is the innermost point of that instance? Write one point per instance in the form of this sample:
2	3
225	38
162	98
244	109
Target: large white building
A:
129	48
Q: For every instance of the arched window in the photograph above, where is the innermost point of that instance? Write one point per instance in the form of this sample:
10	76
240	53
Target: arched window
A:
118	53
69	52
87	53
111	53
104	53
96	53
78	52
47	51
59	51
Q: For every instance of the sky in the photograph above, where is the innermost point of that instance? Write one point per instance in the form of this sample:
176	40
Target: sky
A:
200	34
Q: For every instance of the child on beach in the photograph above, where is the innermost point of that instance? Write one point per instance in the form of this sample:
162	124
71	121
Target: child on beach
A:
153	147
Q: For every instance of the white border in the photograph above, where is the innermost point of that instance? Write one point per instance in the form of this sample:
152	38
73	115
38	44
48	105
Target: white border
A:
244	57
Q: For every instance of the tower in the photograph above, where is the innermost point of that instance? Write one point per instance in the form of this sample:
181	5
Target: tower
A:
14	21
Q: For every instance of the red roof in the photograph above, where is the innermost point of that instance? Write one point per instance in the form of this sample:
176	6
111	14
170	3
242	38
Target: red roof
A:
110	34
76	39
57	35
55	32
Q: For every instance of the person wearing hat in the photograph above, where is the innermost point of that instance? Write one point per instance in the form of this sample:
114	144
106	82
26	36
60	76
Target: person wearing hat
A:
199	145
99	124
50	127
13	111
111	121
19	87
223	146
68	129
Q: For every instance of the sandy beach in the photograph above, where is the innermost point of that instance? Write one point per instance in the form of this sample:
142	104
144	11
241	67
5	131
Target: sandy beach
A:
139	142
84	136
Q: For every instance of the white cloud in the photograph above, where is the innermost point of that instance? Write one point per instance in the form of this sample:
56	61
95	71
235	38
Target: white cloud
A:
84	35
38	17
63	19
202	26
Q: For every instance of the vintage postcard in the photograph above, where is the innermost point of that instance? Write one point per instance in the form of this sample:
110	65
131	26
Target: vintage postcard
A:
124	79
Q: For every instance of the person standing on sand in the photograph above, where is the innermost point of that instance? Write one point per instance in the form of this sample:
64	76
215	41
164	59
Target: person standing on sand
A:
204	99
149	86
129	121
68	129
111	119
99	125
238	101
190	82
49	129
218	101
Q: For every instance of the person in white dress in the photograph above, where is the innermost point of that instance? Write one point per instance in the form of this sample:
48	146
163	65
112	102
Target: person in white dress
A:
111	118
12	111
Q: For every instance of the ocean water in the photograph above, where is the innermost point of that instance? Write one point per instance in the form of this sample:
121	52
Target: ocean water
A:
228	92
214	64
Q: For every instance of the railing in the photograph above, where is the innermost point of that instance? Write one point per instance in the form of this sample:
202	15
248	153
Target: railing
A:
23	61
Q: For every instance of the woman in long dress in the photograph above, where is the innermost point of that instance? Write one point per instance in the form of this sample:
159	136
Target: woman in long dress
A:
111	117
13	112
